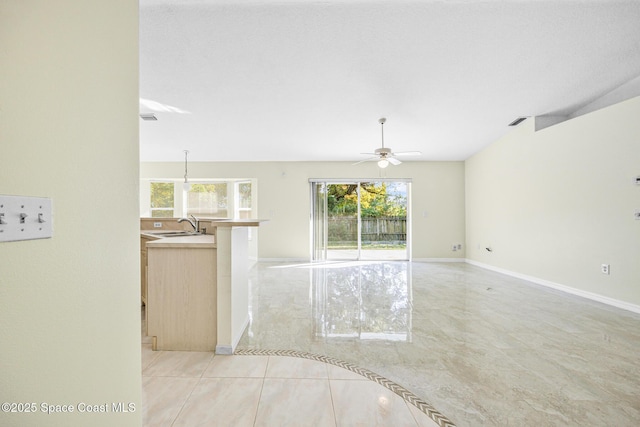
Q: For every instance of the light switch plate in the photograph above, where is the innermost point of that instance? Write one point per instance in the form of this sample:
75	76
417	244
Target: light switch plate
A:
25	218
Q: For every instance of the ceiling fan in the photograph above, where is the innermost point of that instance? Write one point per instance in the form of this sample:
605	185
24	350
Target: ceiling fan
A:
384	155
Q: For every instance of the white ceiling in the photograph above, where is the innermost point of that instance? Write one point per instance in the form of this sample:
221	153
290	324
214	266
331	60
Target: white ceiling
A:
307	80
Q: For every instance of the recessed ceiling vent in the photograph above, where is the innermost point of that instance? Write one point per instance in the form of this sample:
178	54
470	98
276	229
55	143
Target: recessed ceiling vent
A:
517	121
148	117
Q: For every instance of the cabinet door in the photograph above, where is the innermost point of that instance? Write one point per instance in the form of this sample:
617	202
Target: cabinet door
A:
143	269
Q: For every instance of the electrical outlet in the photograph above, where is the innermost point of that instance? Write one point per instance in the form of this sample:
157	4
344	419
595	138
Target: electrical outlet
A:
454	248
605	269
636	214
459	247
157	225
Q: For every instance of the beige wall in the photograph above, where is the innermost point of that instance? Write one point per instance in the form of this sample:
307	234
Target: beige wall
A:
283	198
69	305
558	203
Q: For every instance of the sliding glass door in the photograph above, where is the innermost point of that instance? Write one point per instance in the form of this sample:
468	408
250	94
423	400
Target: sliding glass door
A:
319	221
335	220
383	220
353	220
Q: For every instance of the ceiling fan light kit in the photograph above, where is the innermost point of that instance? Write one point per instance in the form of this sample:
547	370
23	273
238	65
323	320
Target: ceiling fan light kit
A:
385	156
383	163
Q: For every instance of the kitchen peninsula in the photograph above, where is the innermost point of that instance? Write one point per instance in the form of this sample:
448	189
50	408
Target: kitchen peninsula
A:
197	287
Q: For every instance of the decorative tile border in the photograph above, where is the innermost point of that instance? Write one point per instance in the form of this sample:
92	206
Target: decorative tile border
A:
409	397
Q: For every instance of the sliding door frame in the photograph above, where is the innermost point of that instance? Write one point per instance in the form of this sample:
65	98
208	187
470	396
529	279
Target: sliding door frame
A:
324	182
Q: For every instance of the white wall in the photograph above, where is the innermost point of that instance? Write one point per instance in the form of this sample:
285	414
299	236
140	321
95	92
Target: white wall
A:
69	305
283	198
557	203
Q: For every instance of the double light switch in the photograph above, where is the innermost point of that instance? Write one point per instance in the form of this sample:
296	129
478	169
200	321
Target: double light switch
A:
25	218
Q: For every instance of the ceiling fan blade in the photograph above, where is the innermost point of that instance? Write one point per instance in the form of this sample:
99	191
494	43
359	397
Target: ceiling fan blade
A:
408	153
365	160
394	161
384	155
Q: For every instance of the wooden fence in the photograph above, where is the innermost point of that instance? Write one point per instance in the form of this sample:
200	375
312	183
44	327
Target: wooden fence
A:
386	229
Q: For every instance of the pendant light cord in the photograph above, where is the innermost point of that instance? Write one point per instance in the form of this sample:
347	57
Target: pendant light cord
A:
185	164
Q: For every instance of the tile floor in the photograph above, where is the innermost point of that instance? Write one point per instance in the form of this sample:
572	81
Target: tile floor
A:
483	348
201	389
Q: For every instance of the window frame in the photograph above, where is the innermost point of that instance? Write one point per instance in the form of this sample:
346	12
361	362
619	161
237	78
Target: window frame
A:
180	199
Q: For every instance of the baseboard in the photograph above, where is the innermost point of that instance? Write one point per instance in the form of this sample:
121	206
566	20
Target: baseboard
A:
230	349
224	349
578	292
237	339
413	259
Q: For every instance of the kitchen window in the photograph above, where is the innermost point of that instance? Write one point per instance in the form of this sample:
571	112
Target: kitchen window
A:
207	200
166	198
243	195
162	199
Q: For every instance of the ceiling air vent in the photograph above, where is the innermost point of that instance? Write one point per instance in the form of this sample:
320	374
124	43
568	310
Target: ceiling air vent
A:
517	121
148	117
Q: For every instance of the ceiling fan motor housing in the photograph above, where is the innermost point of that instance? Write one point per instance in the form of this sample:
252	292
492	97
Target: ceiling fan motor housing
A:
383	152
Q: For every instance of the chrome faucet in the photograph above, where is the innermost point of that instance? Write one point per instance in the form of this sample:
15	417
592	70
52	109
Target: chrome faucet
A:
195	223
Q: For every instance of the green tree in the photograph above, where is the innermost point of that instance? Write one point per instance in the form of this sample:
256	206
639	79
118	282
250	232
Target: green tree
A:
162	199
375	199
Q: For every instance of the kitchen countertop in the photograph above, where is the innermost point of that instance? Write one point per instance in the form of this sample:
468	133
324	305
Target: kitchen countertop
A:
202	241
196	240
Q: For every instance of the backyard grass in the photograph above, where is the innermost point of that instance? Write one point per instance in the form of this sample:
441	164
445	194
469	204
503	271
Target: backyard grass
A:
377	246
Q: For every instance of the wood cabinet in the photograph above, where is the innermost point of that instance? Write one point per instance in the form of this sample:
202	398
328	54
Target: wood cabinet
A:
182	298
144	267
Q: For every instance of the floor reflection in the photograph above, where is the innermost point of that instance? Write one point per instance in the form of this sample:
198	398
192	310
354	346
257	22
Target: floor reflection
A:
485	349
367	301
